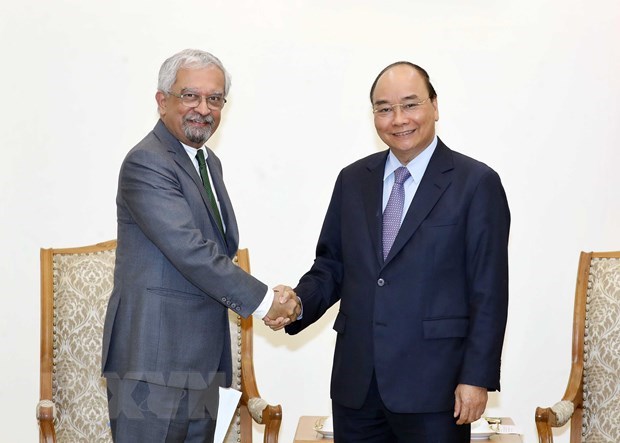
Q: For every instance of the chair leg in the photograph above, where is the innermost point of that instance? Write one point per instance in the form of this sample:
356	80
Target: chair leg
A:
543	425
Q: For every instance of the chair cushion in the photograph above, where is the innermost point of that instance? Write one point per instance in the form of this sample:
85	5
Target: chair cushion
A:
601	384
82	287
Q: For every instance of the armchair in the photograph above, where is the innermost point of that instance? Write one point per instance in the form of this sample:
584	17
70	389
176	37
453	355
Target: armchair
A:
592	398
75	286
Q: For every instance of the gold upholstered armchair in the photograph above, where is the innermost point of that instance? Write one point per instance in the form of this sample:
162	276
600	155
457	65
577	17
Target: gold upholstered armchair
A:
592	399
75	286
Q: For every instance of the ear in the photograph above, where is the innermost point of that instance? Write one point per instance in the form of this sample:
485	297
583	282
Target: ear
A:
160	97
436	107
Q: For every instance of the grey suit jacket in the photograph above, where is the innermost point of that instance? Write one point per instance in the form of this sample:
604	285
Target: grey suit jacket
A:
174	280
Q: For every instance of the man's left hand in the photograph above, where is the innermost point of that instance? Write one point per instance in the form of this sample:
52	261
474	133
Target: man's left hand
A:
470	403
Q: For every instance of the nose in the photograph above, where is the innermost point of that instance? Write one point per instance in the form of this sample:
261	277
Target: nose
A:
202	107
399	116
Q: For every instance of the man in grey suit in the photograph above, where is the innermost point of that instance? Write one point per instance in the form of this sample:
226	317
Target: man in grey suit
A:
166	343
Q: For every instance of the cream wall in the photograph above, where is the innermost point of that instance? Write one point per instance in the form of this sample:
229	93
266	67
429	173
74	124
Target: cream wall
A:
530	87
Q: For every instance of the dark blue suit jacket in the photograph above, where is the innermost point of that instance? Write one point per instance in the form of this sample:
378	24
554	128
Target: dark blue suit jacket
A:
433	314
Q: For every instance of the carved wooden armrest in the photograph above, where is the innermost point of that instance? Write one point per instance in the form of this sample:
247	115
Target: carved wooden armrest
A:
46	413
553	417
560	413
256	406
262	412
563	411
259	410
268	415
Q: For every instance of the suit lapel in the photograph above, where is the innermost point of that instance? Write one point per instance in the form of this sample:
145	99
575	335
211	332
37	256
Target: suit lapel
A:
373	200
226	209
179	155
435	181
182	159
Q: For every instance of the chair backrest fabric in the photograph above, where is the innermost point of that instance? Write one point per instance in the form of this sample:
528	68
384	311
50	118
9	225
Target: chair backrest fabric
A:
601	380
82	283
82	286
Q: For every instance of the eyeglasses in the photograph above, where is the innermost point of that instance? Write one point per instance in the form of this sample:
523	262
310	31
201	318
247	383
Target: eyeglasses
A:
193	100
387	110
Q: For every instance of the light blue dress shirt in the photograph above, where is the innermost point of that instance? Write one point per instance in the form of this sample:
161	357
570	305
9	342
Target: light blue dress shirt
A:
417	168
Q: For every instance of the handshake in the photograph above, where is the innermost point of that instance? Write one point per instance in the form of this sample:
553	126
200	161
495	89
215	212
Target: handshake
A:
285	309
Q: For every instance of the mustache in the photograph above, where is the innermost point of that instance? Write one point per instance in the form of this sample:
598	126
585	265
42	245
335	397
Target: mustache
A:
197	118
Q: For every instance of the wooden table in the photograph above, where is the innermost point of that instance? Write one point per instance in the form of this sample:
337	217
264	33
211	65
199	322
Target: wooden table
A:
306	433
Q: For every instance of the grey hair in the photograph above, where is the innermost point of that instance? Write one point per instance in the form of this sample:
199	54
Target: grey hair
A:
191	59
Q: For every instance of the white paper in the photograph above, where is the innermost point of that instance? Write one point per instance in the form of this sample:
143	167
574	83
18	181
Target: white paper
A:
229	399
509	429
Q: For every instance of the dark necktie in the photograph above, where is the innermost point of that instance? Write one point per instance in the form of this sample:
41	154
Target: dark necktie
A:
204	175
394	209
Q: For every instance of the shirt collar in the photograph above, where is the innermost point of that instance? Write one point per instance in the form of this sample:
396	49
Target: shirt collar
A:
416	167
193	151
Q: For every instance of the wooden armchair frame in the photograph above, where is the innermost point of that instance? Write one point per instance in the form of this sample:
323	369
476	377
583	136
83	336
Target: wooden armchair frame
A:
251	406
270	416
571	407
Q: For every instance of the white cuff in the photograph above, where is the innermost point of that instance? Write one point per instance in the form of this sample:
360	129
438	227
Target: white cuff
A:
265	305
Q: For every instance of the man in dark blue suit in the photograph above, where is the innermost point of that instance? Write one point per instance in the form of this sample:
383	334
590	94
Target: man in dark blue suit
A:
414	246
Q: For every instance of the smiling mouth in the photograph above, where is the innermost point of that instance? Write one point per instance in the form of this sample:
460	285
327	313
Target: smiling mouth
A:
403	133
200	123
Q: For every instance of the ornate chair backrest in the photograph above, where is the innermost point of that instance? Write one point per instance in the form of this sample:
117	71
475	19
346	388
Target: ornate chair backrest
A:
601	350
76	284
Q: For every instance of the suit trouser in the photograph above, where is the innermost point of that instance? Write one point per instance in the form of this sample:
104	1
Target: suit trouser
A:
151	413
374	423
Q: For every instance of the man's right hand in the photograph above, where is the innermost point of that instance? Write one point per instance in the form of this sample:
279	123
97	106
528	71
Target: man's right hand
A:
285	309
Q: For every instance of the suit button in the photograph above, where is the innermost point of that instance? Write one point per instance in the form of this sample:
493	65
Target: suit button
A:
237	309
223	298
380	282
234	305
